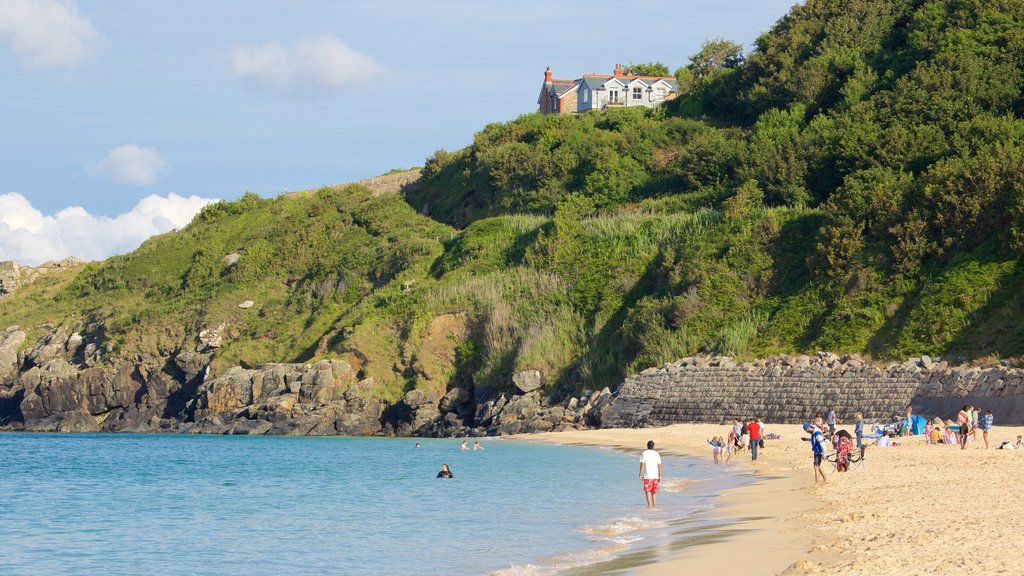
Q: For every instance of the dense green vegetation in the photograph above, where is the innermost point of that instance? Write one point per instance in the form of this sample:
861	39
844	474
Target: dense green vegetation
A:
851	185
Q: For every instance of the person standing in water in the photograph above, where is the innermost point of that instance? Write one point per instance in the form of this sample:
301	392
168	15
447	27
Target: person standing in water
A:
445	472
650	473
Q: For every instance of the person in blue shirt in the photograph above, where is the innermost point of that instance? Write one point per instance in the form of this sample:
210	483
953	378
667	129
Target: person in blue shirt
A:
986	425
818	449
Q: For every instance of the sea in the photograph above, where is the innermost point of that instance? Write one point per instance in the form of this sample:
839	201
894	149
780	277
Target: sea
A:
122	504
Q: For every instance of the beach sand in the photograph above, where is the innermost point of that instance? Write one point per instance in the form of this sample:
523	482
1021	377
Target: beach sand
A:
911	509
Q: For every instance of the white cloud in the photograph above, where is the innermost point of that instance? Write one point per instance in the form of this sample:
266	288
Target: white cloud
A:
132	164
27	236
48	33
311	65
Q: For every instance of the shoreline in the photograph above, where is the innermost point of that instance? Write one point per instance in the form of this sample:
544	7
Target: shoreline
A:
914	508
758	529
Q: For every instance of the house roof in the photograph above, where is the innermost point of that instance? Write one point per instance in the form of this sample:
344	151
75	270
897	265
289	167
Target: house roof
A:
563	87
595	81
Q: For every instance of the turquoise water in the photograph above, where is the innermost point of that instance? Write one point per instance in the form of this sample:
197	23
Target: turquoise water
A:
137	504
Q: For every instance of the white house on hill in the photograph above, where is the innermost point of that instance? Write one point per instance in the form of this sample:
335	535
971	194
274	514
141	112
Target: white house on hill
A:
599	91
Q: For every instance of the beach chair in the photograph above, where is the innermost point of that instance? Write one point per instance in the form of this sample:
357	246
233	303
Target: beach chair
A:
846	457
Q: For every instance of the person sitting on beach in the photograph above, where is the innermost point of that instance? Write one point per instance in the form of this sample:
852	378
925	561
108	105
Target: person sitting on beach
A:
1020	442
936	435
445	472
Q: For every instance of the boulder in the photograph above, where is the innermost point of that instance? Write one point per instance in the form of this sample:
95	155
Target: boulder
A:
50	346
211	338
528	380
10	340
250	427
192	363
246	304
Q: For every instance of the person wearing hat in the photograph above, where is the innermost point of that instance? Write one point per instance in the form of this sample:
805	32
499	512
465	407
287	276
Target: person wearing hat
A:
818	449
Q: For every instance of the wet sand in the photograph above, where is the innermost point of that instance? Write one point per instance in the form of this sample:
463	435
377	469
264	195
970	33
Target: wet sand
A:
904	512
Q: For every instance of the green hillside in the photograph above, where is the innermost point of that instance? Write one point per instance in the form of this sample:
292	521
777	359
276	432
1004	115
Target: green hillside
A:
852	185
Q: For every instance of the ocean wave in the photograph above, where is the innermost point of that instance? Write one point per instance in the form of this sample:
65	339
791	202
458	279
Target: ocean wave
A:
619	527
567	561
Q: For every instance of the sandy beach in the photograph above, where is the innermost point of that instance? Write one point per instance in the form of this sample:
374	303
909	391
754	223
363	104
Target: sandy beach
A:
911	509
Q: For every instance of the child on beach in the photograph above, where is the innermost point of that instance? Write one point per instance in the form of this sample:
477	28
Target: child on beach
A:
716	447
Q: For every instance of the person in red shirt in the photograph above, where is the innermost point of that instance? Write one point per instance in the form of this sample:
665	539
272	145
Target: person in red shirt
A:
755	437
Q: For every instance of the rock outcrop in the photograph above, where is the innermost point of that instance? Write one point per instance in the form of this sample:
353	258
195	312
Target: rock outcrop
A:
61	383
13	276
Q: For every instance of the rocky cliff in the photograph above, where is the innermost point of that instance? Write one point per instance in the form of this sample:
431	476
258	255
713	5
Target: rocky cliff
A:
63	383
13	276
791	389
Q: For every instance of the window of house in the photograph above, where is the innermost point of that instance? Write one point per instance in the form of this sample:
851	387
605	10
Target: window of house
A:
613	95
586	96
638	93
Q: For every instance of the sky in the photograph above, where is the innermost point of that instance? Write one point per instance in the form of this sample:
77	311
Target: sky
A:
120	119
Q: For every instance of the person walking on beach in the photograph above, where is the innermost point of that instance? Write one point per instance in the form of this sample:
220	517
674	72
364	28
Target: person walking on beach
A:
650	473
831	418
755	437
986	425
818	449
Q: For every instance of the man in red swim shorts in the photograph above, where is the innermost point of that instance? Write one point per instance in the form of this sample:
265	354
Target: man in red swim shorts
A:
650	473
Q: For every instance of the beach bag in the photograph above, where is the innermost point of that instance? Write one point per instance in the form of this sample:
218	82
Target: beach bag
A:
760	442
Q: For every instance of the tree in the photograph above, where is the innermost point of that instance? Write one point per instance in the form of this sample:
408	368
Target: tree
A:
715	54
648	69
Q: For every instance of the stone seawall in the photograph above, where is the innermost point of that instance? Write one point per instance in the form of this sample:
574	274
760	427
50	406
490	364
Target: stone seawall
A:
792	389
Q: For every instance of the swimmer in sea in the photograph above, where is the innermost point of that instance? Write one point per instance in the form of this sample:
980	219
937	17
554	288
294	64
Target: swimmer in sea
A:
445	472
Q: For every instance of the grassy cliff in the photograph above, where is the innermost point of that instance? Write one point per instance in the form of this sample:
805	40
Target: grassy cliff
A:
851	185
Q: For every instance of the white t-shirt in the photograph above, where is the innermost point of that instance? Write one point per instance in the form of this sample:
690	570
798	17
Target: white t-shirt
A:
650	459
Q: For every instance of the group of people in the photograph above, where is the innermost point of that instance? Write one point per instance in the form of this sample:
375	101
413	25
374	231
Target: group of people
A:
446	472
970	420
748	435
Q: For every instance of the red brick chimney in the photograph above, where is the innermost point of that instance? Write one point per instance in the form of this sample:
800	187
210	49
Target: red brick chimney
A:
618	69
547	75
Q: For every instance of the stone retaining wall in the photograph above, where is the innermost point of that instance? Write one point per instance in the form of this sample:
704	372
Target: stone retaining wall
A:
793	389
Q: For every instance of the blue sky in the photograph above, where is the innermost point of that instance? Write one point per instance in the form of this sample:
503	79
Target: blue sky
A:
109	102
